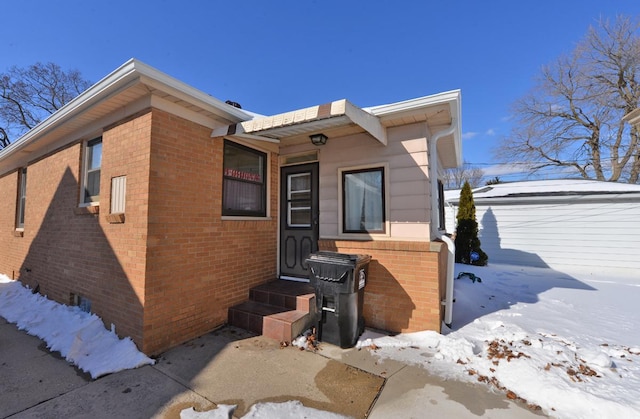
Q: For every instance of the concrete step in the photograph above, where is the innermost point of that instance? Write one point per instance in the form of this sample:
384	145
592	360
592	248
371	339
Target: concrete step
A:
280	310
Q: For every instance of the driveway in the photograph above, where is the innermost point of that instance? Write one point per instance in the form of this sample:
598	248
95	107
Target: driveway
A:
231	366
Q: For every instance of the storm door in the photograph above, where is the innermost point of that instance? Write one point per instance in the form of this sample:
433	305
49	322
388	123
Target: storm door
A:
298	218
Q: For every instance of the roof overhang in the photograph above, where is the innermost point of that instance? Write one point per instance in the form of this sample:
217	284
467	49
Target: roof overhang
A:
341	118
112	96
439	111
304	122
569	199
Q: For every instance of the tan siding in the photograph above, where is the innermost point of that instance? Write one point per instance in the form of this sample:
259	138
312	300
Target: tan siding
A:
408	194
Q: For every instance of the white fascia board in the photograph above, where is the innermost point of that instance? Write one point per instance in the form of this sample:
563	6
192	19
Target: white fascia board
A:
417	103
453	98
367	121
118	80
162	81
338	112
237	130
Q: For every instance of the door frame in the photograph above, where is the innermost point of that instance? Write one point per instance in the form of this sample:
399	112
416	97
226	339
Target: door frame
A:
282	211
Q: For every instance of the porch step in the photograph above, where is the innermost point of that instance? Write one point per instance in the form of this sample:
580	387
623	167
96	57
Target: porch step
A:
279	309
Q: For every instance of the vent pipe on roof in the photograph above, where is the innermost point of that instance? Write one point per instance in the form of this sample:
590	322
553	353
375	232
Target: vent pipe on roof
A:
435	229
232	103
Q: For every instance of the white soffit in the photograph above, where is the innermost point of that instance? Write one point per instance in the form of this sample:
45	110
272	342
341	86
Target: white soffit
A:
306	121
451	154
127	83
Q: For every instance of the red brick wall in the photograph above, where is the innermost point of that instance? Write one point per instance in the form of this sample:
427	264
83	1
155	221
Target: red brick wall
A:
173	256
197	264
126	152
404	288
13	247
66	249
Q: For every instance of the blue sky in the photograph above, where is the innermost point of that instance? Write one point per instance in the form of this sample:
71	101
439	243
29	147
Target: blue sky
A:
276	56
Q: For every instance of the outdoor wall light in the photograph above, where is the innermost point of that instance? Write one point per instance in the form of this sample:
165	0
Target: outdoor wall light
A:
318	139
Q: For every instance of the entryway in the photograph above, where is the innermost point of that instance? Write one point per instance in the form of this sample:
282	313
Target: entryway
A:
284	308
298	219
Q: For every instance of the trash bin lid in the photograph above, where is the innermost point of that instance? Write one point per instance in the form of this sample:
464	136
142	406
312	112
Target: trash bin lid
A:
336	257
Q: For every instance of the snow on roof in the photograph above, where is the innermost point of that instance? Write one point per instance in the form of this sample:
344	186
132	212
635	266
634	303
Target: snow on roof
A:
557	187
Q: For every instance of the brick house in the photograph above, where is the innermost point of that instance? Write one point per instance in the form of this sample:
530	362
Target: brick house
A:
159	207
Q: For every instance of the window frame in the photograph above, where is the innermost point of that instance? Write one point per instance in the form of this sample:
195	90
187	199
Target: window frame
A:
383	168
84	200
21	198
264	193
291	201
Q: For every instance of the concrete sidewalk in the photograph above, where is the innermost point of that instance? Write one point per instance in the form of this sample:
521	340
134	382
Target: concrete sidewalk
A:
230	366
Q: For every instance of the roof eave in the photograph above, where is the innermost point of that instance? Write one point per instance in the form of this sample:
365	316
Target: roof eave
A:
307	120
128	74
452	98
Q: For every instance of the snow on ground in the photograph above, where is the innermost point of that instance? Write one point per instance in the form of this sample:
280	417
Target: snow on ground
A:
569	345
287	410
80	337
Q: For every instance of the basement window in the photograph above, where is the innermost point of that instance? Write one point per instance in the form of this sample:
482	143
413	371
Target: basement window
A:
82	302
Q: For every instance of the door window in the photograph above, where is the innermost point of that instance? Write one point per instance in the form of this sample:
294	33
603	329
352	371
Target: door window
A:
299	200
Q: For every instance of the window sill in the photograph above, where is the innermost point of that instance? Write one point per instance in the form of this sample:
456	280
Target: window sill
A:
244	218
18	233
363	236
88	210
115	218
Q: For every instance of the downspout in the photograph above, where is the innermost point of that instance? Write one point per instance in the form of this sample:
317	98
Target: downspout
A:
435	229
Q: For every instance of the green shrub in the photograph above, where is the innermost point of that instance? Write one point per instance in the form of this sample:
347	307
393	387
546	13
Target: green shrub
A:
467	241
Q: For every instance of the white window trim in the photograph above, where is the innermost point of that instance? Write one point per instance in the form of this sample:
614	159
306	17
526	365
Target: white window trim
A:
387	201
84	172
21	205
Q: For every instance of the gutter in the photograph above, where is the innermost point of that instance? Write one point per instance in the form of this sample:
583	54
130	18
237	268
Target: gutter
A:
439	234
129	74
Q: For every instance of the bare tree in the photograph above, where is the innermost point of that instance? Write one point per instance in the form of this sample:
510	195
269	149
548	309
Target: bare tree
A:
4	138
572	119
28	95
455	178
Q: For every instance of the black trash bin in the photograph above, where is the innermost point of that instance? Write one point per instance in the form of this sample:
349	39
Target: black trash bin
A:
339	280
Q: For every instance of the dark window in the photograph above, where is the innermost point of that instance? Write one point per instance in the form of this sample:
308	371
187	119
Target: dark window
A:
92	164
363	201
244	181
22	197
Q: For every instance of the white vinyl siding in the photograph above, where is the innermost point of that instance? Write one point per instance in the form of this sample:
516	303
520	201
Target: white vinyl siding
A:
597	236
